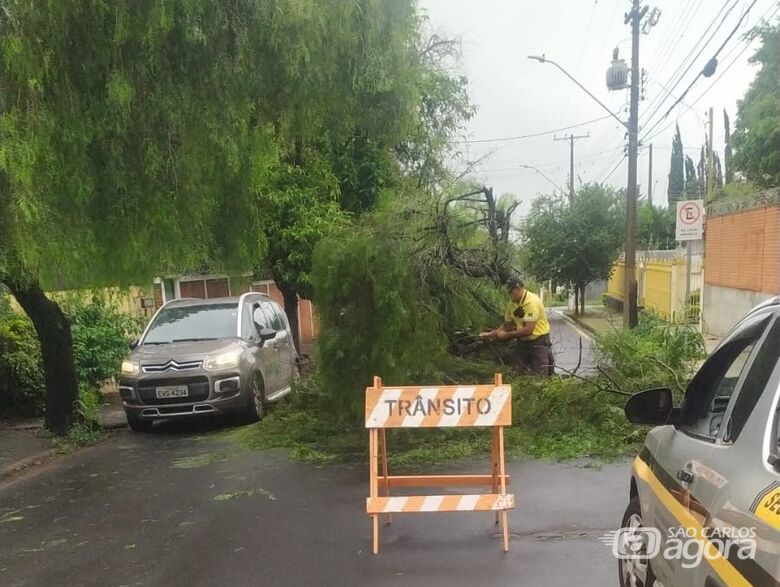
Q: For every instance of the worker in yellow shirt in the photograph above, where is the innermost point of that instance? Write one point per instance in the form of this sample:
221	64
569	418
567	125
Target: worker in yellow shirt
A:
525	323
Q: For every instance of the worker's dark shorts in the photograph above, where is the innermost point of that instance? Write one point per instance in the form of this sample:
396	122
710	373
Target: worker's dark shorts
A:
534	356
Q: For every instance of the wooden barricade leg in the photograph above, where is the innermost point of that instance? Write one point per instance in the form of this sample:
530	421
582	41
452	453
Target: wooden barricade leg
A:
373	489
497	380
494	464
502	472
373	442
385	473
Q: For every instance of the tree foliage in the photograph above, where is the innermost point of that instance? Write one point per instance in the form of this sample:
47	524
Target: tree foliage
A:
576	243
384	119
677	170
172	134
100	336
656	228
692	185
728	151
756	136
390	298
131	137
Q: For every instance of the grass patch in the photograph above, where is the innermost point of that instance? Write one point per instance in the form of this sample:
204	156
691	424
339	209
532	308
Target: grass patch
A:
555	418
87	429
559	418
85	434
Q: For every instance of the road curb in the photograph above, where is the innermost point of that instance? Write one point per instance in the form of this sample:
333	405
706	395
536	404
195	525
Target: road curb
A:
25	463
582	329
113	425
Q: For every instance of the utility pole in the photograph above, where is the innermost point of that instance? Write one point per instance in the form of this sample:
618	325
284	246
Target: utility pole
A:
650	178
710	164
617	75
630	316
571	138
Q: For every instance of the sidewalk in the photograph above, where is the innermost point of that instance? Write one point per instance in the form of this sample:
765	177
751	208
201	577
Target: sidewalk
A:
601	320
24	444
22	447
597	320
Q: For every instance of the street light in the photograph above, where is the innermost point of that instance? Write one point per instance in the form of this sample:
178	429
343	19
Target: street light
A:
543	59
543	174
615	81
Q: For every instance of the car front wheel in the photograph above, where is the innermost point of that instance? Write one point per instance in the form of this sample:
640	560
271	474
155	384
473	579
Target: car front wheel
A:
635	571
256	400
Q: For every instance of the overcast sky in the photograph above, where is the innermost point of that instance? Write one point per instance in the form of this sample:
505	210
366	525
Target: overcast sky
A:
517	96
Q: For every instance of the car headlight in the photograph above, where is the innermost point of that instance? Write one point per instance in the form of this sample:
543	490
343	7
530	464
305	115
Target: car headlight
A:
224	360
130	367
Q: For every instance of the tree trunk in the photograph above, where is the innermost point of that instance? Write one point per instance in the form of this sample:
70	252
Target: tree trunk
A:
582	300
291	309
576	300
59	369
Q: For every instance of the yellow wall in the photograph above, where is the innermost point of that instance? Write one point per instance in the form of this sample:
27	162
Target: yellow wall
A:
661	285
658	288
616	283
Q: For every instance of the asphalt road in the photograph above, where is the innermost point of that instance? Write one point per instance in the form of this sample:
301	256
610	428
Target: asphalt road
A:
182	507
573	349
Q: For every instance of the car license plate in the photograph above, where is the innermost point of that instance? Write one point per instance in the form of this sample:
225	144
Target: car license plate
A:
166	391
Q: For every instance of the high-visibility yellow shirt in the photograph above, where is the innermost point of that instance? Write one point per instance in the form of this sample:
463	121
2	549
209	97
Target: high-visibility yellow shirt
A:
529	309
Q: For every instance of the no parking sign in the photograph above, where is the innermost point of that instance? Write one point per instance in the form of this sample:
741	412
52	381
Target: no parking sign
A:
690	220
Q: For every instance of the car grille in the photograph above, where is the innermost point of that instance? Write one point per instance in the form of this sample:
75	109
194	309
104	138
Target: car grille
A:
198	388
172	366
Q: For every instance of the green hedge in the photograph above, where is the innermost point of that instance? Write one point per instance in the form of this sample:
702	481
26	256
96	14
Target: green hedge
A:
21	376
100	337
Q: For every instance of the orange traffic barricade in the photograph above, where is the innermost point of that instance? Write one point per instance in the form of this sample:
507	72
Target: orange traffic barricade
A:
436	407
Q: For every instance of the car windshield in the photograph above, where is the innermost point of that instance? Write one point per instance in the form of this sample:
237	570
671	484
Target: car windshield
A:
201	322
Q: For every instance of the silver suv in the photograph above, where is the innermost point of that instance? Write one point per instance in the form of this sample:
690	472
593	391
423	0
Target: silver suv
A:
213	356
704	505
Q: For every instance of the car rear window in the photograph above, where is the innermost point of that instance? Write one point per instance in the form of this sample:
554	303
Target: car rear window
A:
210	321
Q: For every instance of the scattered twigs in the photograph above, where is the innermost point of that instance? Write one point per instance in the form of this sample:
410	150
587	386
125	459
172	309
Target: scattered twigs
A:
671	371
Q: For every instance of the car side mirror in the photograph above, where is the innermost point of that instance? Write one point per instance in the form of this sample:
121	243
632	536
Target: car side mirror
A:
652	406
267	334
133	344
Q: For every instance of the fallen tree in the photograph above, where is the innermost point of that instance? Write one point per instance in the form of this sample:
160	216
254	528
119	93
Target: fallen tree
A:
394	289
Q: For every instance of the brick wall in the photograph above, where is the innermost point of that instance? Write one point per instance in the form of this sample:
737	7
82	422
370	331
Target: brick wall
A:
742	250
307	316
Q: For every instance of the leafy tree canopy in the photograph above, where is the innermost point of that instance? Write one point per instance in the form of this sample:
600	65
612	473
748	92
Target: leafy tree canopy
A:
756	136
131	136
574	244
656	228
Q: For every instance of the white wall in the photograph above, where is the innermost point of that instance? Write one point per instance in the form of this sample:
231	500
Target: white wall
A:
723	307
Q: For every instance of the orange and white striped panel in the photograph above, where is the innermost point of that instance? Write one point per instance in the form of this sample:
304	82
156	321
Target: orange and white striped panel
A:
441	503
439	407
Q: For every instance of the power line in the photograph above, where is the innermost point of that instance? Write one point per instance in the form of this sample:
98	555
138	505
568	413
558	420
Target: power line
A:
661	98
614	169
556	163
671	41
533	135
677	31
714	57
715	81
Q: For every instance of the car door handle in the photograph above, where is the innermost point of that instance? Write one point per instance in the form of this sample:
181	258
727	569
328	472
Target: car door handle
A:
685	476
